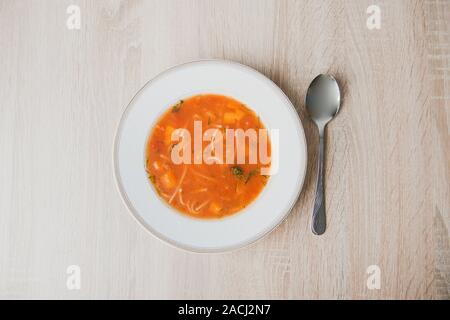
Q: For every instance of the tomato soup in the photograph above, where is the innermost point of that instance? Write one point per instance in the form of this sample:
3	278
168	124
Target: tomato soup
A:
214	184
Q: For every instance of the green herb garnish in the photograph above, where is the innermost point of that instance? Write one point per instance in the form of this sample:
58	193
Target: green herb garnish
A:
237	171
177	107
251	174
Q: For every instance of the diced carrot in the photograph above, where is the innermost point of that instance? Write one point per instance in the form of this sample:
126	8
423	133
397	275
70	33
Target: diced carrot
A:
157	165
215	207
168	135
168	180
232	117
229	118
239	114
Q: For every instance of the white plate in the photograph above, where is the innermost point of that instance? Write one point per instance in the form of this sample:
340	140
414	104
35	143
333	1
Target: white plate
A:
230	79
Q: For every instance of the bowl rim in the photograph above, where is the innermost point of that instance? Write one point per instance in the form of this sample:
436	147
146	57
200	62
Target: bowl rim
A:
147	227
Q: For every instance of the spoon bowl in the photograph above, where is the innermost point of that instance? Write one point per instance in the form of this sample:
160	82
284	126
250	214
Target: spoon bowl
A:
323	99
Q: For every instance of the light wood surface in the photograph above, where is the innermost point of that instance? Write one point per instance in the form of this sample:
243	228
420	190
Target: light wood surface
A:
388	154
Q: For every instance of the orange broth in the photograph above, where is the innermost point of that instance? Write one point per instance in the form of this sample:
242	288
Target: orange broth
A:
204	190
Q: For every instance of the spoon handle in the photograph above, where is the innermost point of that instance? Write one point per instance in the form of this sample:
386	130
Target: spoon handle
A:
319	223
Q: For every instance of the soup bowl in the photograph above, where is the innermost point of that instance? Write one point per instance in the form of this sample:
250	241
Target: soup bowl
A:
225	78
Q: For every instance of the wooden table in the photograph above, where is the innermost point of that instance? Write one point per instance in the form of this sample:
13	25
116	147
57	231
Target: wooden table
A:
388	171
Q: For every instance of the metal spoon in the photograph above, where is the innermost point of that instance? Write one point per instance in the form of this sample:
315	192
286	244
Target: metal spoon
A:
323	100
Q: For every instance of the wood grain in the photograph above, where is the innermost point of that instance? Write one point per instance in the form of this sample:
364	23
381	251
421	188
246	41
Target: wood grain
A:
388	153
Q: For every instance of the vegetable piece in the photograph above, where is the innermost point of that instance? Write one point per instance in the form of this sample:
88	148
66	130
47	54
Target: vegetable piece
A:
168	180
215	207
168	135
229	118
157	165
232	117
239	114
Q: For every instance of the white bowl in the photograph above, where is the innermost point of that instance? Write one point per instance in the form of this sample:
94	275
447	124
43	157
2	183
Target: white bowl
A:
221	77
